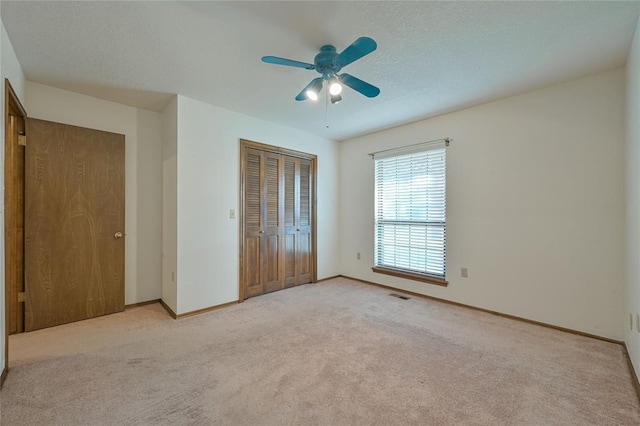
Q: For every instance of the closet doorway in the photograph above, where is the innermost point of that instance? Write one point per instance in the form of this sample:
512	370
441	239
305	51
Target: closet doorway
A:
277	218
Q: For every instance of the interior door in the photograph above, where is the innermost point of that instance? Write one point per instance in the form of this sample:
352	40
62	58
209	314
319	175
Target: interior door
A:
291	209
74	223
263	222
272	217
253	172
277	230
304	221
297	244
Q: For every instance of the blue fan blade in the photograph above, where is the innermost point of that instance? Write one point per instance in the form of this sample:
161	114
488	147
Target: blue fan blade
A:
359	48
302	96
287	62
369	90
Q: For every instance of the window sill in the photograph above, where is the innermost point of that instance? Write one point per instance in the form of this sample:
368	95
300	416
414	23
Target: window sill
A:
411	276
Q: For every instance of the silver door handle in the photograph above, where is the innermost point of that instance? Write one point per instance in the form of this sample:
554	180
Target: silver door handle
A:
117	235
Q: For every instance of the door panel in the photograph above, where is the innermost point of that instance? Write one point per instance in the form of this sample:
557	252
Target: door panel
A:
291	206
290	260
253	172
252	267
304	230
272	264
74	203
289	191
304	259
272	218
305	194
252	210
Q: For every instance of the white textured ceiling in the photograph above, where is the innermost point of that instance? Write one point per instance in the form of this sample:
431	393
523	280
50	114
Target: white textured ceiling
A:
432	57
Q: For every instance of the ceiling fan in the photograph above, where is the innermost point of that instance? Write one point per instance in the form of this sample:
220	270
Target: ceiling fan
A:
328	63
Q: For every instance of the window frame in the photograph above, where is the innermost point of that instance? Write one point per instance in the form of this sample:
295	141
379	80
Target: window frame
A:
400	272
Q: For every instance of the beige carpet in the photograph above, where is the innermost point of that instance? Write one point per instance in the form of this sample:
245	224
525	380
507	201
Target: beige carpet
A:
335	353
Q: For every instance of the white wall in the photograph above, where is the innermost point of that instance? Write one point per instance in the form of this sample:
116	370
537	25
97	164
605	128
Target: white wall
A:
9	68
208	187
148	199
534	204
143	175
170	204
632	155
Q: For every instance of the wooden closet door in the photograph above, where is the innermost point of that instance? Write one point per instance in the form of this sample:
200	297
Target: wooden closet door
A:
304	222
291	209
252	260
277	229
262	222
298	212
272	217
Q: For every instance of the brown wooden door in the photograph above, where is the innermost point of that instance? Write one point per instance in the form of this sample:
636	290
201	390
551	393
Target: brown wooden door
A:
297	245
304	221
74	224
277	230
272	217
263	195
291	207
253	170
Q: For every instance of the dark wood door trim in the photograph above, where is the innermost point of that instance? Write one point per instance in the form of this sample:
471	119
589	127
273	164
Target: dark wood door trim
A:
277	150
312	158
12	106
12	100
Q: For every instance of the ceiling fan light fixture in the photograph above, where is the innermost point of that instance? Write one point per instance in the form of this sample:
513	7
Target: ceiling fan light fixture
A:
314	90
335	99
335	88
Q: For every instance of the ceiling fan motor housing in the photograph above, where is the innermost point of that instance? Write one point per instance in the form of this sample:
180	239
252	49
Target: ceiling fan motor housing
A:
325	62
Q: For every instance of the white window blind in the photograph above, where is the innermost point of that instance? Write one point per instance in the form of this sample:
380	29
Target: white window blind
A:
410	211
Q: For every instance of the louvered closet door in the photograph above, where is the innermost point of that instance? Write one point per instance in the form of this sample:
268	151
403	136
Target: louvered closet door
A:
272	214
304	221
263	212
297	242
252	247
277	231
291	206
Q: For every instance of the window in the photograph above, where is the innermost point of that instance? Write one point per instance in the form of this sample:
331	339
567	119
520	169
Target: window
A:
410	213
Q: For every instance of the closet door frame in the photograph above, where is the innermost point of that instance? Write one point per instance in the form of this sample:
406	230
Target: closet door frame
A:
247	144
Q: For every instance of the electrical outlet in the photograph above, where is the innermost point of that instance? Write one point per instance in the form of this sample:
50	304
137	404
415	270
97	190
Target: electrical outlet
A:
358	255
630	321
232	214
464	272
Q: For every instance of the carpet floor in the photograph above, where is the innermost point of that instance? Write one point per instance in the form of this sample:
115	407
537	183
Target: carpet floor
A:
335	353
